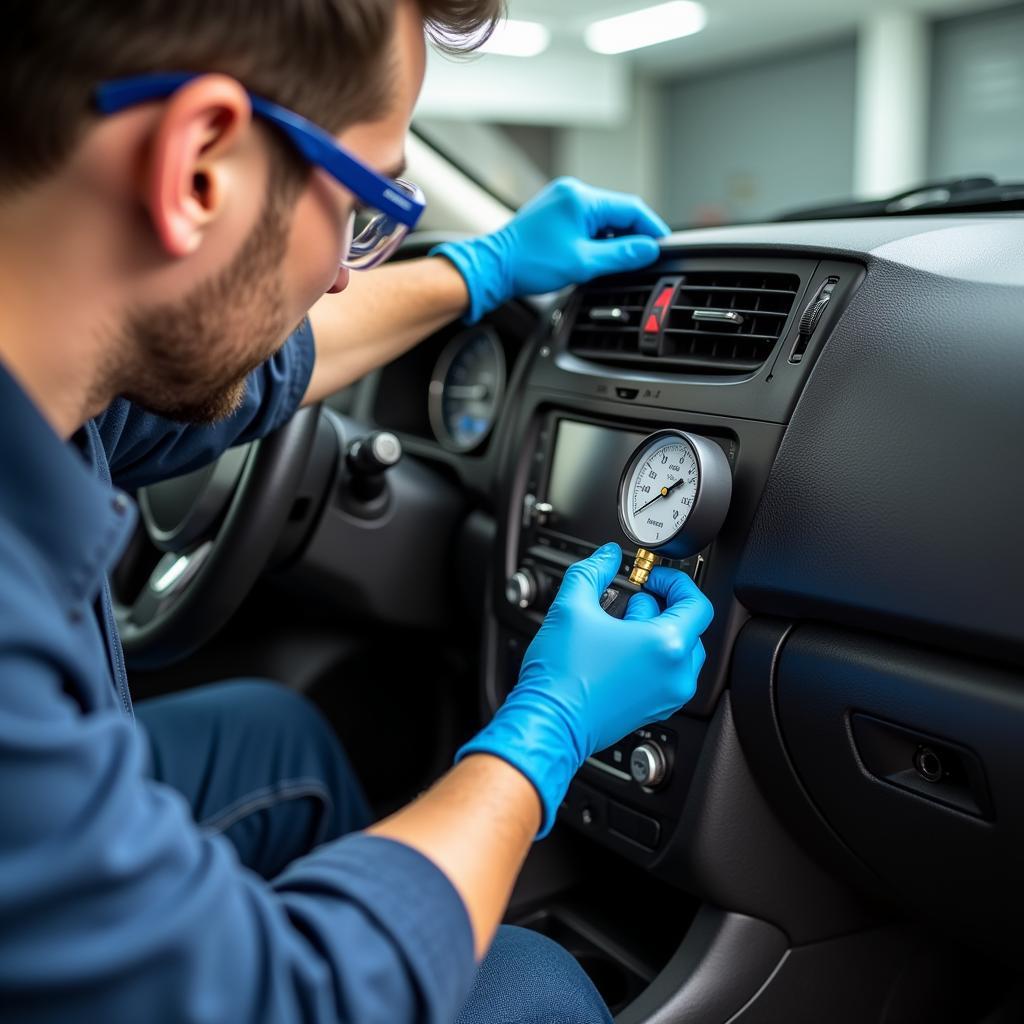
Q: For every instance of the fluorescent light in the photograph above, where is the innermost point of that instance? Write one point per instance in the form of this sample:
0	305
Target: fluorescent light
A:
518	39
646	27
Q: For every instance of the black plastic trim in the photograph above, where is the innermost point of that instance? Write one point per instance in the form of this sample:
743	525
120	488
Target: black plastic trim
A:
721	965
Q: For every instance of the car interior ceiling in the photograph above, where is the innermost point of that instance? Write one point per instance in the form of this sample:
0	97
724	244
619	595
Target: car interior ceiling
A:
838	833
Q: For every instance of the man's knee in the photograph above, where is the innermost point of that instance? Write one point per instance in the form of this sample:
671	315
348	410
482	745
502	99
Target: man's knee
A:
281	716
272	708
288	725
528	979
258	712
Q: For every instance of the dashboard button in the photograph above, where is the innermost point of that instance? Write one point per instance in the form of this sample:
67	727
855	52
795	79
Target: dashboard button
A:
631	825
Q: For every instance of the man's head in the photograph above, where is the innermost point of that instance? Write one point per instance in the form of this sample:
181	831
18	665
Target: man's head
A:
204	235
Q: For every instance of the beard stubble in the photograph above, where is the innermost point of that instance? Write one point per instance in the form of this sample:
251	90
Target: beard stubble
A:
190	360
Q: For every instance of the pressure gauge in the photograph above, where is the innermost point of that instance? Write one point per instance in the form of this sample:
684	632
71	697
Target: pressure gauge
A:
674	494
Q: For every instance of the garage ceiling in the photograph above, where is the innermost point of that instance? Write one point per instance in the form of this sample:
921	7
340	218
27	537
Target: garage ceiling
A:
736	29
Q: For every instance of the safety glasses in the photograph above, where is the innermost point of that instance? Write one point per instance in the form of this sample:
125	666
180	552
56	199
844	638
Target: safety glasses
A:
392	208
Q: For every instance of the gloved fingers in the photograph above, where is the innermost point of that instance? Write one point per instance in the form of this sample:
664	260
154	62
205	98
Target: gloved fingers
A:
593	575
614	255
670	585
619	211
687	684
699	656
682	597
642	607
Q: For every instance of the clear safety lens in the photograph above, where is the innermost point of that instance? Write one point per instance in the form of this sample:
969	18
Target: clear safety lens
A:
378	235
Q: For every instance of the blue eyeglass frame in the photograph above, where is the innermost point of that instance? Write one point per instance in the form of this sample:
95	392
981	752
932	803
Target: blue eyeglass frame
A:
316	145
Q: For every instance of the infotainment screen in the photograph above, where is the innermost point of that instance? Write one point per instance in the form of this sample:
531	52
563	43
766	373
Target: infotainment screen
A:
584	484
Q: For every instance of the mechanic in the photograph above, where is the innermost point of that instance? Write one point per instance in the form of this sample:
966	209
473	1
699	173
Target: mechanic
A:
185	862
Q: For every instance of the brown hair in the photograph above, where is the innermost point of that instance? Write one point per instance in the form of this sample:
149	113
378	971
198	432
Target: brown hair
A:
325	59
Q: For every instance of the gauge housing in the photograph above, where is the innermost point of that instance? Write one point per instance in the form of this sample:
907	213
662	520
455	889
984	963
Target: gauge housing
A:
460	348
710	503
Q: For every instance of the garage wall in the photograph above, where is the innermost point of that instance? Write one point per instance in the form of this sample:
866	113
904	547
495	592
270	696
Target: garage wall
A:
749	142
628	156
978	95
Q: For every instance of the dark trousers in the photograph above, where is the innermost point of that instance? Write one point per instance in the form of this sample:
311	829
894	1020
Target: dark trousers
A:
258	763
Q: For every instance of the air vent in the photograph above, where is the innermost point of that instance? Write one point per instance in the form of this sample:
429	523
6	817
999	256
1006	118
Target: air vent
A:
703	322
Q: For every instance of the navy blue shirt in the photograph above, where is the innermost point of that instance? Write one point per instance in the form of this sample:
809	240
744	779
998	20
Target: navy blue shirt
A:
113	905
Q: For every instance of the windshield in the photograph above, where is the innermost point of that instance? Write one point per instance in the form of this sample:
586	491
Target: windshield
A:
752	112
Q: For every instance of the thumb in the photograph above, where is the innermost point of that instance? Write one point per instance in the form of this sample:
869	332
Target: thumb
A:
594	575
616	255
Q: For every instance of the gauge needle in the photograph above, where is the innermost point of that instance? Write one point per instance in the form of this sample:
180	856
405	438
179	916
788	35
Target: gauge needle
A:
663	493
468	392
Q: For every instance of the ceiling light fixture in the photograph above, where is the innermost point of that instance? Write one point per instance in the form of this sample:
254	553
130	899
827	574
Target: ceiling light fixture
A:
646	27
513	38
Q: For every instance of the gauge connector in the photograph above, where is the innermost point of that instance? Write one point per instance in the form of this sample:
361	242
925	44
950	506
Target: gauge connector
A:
644	562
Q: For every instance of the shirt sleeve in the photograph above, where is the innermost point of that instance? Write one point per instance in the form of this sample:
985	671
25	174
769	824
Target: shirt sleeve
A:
115	907
143	448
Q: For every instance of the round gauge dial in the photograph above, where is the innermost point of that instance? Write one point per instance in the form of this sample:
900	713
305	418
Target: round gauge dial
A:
466	389
674	493
661	491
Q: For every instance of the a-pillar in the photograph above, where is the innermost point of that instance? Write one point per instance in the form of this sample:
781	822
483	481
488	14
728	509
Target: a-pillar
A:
893	67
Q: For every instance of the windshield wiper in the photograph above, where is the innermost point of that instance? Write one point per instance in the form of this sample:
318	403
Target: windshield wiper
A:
958	195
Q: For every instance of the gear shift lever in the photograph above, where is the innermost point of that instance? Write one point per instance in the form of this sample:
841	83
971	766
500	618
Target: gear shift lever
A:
368	460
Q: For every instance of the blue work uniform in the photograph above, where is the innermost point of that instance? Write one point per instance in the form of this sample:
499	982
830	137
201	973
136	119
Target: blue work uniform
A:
114	905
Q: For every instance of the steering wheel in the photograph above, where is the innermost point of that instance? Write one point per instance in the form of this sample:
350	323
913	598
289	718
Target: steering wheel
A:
218	528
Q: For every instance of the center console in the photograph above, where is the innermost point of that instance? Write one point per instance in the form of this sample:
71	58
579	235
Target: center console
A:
568	509
564	507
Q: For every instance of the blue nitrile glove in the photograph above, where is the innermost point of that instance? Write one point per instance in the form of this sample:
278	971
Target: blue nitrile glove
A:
555	241
589	679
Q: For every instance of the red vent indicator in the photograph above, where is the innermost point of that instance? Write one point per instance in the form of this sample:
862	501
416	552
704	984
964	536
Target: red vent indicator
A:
657	314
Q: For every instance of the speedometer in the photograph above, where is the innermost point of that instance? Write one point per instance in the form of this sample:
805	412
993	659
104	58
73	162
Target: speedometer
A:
466	389
674	493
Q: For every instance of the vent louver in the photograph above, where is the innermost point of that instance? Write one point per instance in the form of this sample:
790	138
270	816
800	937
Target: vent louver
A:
717	322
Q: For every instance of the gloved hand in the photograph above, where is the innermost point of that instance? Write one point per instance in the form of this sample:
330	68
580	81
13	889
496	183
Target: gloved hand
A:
554	242
589	679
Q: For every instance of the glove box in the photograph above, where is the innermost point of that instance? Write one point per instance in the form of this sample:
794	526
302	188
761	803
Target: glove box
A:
916	760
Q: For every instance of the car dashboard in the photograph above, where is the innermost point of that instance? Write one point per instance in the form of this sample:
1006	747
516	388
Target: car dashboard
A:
865	380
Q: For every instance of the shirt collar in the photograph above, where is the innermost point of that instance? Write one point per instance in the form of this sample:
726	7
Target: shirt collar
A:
75	522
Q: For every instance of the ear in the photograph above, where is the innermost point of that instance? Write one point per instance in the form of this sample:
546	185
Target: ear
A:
189	174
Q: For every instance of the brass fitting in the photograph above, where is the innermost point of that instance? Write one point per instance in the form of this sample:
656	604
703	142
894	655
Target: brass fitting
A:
644	562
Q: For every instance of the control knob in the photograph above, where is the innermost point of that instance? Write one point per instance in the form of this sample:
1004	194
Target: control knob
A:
648	765
521	588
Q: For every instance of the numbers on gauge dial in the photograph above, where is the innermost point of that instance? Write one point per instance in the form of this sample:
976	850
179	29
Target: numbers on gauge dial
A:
663	492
